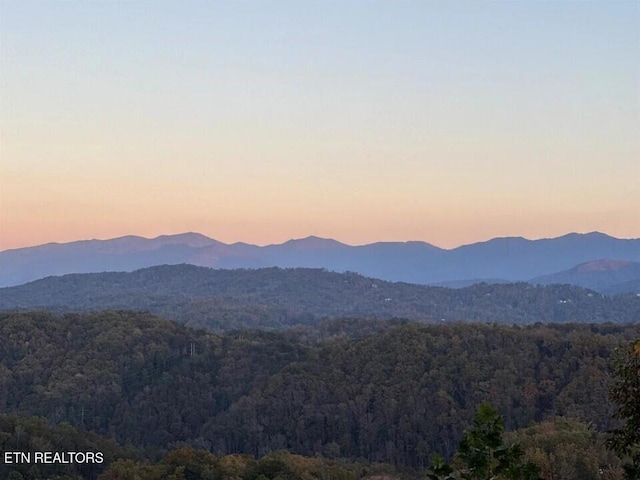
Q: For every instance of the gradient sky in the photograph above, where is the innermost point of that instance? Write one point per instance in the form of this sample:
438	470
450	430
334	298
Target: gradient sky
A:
449	122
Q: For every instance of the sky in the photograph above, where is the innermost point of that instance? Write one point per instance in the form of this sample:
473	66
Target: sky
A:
260	121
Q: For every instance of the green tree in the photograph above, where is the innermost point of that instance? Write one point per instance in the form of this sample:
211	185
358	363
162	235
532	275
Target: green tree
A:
483	454
440	470
625	392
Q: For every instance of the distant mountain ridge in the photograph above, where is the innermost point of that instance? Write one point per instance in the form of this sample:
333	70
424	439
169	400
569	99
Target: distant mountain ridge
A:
507	259
603	275
222	299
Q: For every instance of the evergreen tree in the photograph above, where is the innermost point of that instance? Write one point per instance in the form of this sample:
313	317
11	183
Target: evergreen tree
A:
483	454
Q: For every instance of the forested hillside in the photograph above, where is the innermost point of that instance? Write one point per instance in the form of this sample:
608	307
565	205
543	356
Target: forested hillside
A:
276	298
29	434
396	395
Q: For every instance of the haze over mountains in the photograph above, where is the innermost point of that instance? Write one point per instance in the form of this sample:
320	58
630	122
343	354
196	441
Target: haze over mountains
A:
497	260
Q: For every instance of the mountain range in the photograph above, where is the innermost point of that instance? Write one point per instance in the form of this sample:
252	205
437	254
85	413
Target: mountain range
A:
508	259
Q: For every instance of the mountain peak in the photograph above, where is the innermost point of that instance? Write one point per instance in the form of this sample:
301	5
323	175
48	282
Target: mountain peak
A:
312	242
588	235
193	239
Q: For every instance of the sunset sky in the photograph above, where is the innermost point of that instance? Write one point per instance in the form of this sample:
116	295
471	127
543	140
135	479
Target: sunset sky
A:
443	121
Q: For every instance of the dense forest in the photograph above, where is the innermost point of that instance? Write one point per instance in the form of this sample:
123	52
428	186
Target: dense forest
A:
274	298
182	463
559	448
372	391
